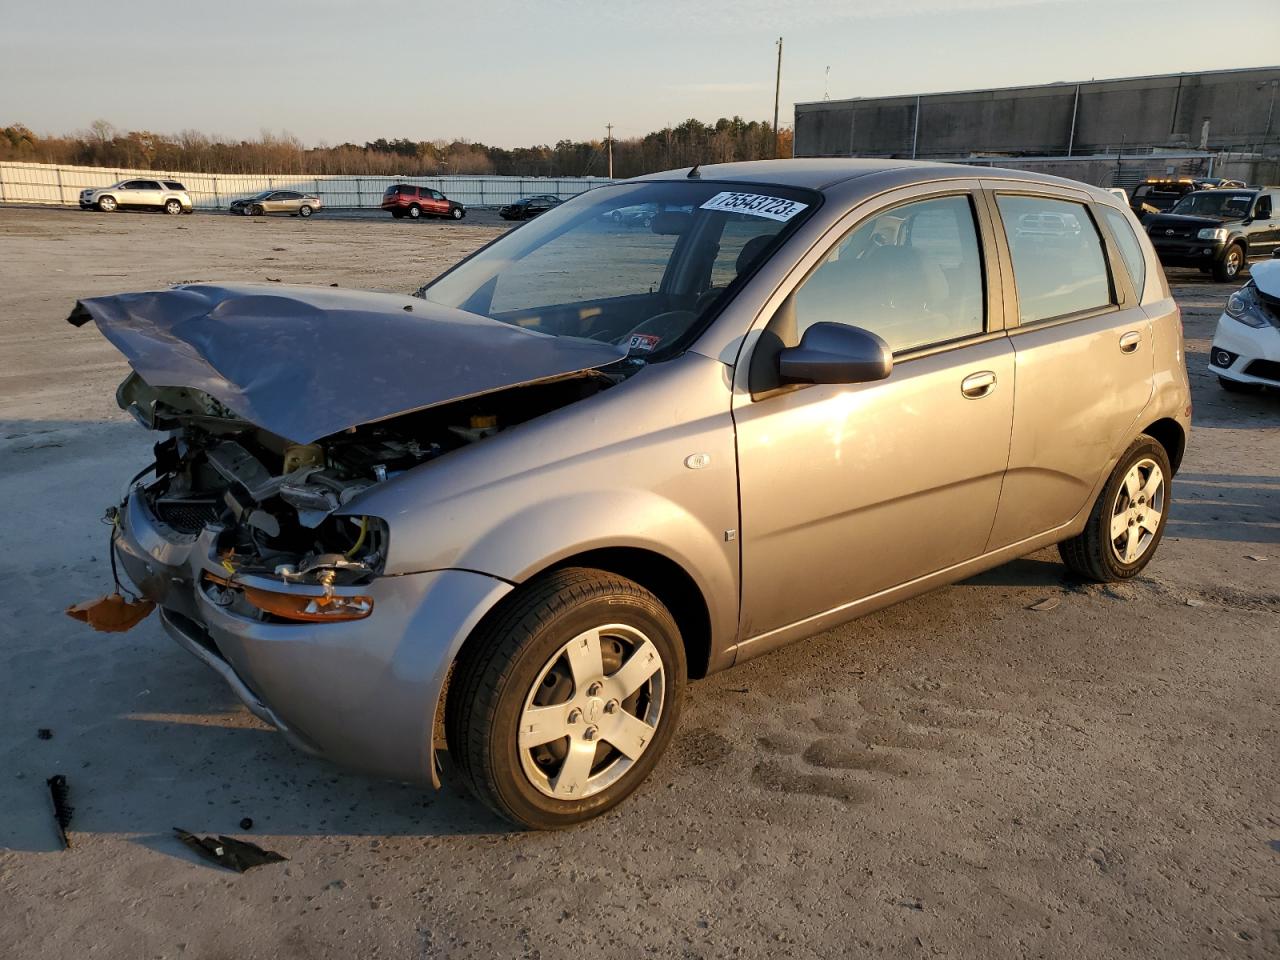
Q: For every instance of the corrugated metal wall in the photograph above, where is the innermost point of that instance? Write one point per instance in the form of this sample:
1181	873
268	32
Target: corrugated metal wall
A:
52	184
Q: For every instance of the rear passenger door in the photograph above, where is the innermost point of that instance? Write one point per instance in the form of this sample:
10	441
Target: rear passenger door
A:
1083	354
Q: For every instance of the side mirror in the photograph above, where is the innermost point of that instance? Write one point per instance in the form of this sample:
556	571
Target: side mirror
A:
836	353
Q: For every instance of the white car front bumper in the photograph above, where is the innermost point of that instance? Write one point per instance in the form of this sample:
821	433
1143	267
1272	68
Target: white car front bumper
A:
1246	354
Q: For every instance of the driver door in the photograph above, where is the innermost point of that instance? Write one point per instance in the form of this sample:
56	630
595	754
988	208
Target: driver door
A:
849	490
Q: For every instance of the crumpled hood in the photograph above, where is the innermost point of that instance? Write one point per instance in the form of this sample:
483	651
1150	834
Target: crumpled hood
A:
1266	277
306	362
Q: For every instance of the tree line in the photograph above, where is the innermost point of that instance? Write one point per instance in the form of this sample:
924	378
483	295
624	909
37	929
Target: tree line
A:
103	145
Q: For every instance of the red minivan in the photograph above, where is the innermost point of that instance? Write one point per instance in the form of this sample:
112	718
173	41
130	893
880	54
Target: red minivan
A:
405	200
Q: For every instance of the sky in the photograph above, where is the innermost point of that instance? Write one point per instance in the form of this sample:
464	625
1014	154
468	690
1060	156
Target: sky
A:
518	73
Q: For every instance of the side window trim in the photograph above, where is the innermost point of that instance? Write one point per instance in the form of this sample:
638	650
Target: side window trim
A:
1124	284
1117	274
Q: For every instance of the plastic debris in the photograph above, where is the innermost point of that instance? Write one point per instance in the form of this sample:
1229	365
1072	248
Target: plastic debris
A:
1255	556
112	613
1048	603
237	855
61	809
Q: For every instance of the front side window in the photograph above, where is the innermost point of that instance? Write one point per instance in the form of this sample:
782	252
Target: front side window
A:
1130	248
1058	262
911	274
1223	204
147	185
571	272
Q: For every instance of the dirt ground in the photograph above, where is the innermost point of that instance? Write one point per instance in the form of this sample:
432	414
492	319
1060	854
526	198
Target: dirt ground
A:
959	776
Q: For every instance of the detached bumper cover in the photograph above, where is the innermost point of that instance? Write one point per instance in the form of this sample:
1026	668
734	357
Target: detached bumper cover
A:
361	693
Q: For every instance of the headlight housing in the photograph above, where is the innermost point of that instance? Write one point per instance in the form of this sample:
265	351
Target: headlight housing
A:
1243	305
1212	233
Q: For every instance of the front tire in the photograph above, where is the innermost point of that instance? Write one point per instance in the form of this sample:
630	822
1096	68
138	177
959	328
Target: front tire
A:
107	204
1231	264
1128	519
562	704
457	213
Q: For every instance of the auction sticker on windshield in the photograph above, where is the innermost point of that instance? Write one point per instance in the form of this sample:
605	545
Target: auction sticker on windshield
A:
755	204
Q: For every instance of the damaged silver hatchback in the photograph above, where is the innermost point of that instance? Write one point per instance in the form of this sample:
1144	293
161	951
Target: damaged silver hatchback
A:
507	517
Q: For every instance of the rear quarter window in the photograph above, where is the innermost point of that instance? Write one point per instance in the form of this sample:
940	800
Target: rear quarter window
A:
1130	247
174	185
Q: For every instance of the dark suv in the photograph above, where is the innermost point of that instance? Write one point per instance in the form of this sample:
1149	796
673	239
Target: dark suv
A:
406	200
1219	231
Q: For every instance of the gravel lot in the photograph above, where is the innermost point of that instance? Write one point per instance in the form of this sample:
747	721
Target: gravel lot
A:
957	776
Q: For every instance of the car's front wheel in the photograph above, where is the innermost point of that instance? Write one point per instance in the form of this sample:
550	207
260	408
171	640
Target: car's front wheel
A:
1128	518
562	705
107	204
1229	267
457	213
172	207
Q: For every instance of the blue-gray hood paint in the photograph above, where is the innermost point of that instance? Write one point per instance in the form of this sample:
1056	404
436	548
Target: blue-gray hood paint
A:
306	362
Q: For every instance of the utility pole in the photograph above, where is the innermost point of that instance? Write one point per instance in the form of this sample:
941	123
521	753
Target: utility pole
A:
608	142
777	87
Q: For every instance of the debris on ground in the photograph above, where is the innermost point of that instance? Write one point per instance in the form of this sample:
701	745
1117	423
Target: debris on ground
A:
237	855
1048	603
1255	556
44	733
246	823
112	613
61	809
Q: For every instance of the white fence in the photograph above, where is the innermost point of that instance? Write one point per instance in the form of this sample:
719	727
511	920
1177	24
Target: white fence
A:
60	186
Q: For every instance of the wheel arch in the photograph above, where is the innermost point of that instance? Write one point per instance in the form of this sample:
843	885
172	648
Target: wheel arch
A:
1171	436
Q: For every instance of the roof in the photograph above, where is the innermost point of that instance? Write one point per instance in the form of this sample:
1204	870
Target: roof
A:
823	173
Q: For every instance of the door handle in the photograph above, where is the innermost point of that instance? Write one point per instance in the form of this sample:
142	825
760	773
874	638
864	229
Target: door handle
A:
977	385
1129	341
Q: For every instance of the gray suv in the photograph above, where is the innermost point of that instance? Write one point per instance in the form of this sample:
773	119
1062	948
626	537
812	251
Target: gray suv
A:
167	195
507	518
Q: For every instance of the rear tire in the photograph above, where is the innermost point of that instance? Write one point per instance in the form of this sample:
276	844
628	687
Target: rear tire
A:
414	213
397	215
581	658
173	207
1122	535
1231	265
304	211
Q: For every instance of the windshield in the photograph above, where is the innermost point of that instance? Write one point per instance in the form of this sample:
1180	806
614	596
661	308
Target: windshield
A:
1225	204
643	264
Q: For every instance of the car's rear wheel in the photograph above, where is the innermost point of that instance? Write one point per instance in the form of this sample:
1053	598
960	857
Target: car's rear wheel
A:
304	211
414	213
172	207
397	214
457	213
562	705
1229	267
1128	518
107	204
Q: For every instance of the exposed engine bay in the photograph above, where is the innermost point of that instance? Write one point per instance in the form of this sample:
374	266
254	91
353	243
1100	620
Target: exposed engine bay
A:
275	500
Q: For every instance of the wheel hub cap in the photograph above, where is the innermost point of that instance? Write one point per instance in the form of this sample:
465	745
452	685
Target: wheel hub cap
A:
592	712
1137	511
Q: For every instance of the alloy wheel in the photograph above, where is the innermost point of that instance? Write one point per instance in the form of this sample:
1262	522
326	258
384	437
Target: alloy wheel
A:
592	711
1137	511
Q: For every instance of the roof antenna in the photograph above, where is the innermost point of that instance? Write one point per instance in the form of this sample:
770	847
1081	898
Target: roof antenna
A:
694	174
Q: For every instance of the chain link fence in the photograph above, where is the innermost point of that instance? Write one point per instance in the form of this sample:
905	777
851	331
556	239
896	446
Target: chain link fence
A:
39	183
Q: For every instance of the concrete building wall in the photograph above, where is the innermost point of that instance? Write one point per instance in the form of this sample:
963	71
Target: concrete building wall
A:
1242	107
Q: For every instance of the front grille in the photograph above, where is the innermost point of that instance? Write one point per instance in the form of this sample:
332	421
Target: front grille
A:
187	516
1266	369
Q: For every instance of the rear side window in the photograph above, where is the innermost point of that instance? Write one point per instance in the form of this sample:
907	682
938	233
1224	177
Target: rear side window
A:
1058	263
174	185
1130	248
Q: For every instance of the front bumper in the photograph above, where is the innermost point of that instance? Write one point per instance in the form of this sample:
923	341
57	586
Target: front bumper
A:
1245	354
361	693
1188	252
